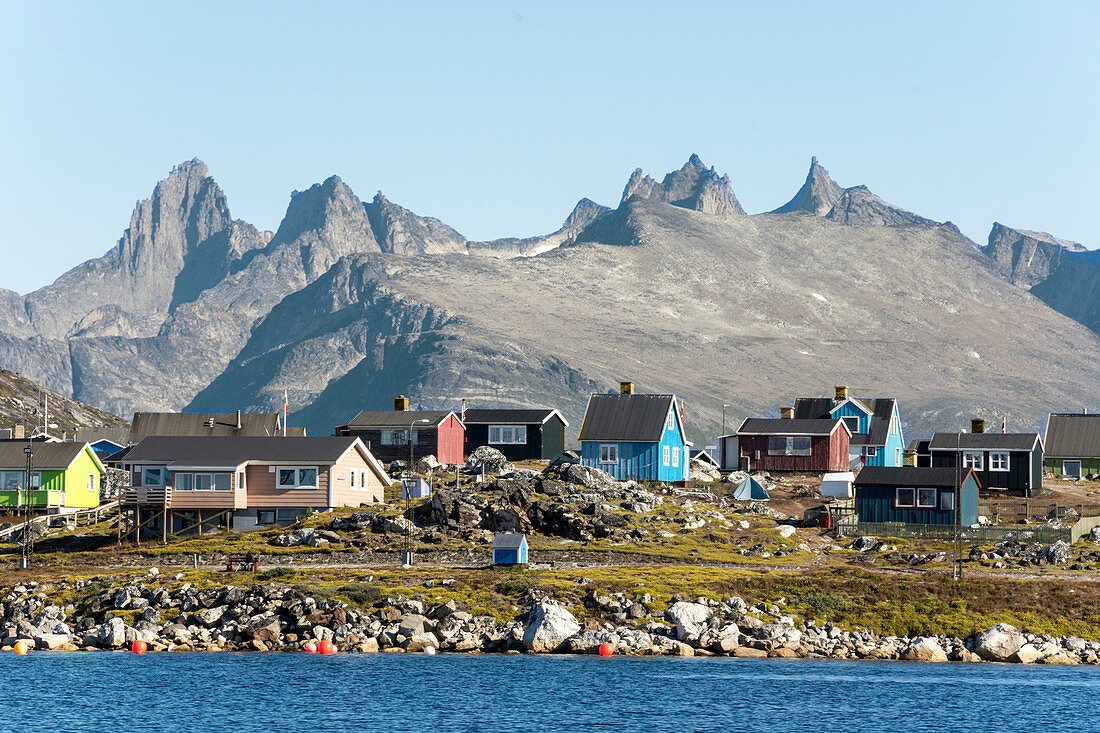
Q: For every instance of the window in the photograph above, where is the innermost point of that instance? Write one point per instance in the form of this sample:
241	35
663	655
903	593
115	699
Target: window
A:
1071	468
398	436
676	457
240	479
972	459
204	482
265	516
609	453
926	498
363	479
947	501
671	421
872	451
788	446
290	514
664	454
508	434
222	482
998	461
893	425
296	478
154	476
904	498
36	480
91	482
897	456
852	423
353	478
185	482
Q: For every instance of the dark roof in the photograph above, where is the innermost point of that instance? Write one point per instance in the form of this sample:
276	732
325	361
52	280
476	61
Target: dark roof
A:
508	541
231	451
626	417
881	408
121	436
909	476
194	423
983	441
779	426
119	456
52	456
920	445
1074	435
522	416
397	418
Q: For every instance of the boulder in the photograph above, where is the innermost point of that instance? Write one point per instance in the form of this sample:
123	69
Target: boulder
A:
863	544
689	618
420	642
490	460
53	641
1026	654
1057	553
548	627
998	643
924	649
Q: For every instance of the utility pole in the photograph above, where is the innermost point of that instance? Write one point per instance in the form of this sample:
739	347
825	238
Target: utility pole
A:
25	558
406	488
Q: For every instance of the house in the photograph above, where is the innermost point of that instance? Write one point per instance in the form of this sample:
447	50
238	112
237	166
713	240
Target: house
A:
874	424
415	487
1072	443
1010	463
635	436
386	432
918	453
188	483
520	434
790	444
105	447
917	495
64	476
510	549
208	424
119	436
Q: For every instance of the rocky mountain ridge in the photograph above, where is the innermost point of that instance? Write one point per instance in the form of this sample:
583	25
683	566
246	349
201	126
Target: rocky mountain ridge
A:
350	302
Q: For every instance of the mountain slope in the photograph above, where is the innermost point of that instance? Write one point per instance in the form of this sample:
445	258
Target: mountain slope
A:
22	403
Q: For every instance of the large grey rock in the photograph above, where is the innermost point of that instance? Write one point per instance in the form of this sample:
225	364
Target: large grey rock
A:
689	618
548	627
1058	553
490	459
998	643
924	649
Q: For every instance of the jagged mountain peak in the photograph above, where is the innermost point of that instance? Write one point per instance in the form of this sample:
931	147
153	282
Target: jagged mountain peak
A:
818	195
584	213
693	186
857	206
999	230
398	230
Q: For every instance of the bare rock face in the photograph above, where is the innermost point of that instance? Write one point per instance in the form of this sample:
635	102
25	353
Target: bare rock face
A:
1025	257
859	207
400	231
818	195
548	627
694	186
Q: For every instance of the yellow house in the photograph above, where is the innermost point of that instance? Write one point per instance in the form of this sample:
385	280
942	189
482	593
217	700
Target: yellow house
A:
62	476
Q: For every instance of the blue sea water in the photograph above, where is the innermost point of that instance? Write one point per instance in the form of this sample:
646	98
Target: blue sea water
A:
243	693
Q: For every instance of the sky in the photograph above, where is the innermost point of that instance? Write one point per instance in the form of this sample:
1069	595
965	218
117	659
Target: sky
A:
498	117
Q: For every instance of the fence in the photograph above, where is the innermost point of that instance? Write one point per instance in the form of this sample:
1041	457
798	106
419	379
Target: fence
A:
946	532
1022	511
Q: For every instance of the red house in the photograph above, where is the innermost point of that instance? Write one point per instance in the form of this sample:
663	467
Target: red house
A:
386	433
787	444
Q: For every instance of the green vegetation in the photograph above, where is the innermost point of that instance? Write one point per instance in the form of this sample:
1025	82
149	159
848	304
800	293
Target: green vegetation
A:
281	573
363	595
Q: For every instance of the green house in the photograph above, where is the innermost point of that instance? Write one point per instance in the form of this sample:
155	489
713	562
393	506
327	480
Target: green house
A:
1073	444
63	475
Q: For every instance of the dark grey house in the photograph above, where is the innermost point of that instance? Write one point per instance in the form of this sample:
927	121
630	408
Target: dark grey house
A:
1009	463
520	434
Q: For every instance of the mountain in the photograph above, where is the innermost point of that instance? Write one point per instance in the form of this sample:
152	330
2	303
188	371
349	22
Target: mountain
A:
22	402
1063	274
349	303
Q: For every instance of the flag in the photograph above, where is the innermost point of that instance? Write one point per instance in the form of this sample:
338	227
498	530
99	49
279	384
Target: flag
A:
286	408
1004	425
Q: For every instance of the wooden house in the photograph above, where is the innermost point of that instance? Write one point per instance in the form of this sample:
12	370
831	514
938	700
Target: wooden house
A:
917	495
520	434
64	476
635	436
439	433
209	424
1072	444
874	424
1010	463
510	549
789	444
184	484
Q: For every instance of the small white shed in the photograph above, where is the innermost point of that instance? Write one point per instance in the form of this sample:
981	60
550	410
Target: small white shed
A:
837	485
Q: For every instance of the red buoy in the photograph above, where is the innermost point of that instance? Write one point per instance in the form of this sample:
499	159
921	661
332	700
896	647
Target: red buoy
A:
606	649
326	647
139	647
311	648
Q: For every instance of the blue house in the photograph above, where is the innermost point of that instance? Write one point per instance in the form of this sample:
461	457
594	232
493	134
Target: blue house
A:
106	447
874	422
635	436
917	495
510	549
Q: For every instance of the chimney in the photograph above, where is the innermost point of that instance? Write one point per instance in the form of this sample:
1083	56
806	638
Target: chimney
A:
841	394
401	403
18	433
626	387
977	425
238	419
909	458
786	413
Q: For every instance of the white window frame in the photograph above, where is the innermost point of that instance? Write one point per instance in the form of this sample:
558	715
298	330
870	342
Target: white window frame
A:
17	486
973	459
188	477
872	451
1065	472
852	430
789	448
897	498
36	480
226	481
925	504
297	477
897	456
999	460
675	457
397	436
665	454
947	501
507	434
205	476
91	482
163	481
609	453
670	424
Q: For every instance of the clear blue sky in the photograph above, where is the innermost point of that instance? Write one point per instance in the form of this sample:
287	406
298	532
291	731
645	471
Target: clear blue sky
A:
498	117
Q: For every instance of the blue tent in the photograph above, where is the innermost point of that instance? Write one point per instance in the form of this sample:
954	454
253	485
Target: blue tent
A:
751	490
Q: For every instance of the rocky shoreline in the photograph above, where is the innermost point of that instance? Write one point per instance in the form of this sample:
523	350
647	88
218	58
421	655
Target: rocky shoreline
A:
269	617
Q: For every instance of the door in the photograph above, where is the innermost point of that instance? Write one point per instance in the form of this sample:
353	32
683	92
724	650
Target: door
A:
1071	468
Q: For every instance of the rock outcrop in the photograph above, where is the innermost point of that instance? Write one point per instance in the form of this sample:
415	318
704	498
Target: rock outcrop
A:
818	195
694	186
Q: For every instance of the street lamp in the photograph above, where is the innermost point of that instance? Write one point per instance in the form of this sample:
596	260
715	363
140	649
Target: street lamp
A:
407	490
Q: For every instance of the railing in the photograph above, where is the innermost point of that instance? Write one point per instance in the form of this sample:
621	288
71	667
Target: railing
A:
158	495
986	533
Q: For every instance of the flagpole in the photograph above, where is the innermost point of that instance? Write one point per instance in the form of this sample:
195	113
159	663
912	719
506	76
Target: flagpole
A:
286	406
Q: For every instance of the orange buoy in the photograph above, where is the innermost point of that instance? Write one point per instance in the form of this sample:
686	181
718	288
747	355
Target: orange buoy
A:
21	647
139	647
326	647
311	648
606	649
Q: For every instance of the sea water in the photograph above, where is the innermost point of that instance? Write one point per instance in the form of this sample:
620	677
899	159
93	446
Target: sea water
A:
242	693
